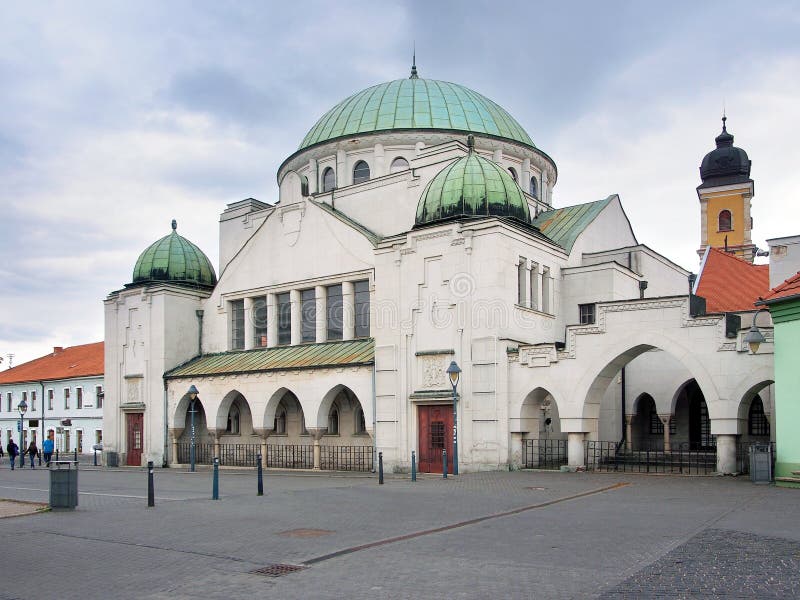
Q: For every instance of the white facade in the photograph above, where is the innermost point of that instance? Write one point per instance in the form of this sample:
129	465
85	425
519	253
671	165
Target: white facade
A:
540	319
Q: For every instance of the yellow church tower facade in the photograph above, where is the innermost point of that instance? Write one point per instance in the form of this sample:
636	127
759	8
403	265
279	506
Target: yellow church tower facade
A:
725	194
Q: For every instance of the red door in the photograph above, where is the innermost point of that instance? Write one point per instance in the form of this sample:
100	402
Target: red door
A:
135	438
435	435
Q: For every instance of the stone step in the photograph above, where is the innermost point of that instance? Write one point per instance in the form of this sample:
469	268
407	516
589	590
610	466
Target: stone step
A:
796	473
789	479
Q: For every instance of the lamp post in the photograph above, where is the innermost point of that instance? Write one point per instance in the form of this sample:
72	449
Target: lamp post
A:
754	338
193	396
454	373
22	407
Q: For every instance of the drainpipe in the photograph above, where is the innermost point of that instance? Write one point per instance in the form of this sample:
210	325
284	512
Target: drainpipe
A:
624	427
165	461
374	421
199	314
41	383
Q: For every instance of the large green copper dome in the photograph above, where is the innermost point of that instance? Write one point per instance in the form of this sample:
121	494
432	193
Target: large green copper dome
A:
472	186
175	259
416	104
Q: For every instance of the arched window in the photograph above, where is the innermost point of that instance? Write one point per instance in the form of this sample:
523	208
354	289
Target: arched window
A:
398	164
233	420
534	187
757	420
360	172
361	424
280	421
333	421
725	220
513	174
328	179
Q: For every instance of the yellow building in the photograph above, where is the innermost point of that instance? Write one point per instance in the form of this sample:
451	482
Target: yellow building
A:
725	195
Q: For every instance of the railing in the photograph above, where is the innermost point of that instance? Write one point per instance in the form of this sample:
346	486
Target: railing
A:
544	454
203	453
679	459
346	458
743	456
290	456
238	455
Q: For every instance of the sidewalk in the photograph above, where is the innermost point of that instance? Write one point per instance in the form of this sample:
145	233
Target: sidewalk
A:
17	508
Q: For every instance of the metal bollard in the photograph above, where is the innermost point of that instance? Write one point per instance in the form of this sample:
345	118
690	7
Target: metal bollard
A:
56	453
215	490
151	494
95	457
260	477
413	465
76	455
444	463
380	468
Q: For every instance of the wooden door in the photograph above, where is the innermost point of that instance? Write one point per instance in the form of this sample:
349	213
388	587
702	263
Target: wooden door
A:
435	434
135	439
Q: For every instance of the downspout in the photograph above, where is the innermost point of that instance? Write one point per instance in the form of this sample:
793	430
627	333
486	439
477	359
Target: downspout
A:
624	425
199	313
41	383
374	421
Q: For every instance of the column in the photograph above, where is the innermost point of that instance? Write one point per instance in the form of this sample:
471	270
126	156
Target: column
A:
316	433
525	176
296	306
665	419
217	438
726	453
272	321
348	311
575	452
263	433
342	176
313	176
629	432
175	434
322	316
249	341
516	451
497	156
379	168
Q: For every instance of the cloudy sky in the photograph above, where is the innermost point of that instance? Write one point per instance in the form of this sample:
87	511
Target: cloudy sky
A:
117	117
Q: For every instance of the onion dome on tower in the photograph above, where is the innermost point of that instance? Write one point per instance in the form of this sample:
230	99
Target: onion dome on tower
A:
174	259
472	186
725	165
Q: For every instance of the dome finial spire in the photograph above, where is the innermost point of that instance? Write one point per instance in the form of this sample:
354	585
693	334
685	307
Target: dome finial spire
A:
414	63
174	225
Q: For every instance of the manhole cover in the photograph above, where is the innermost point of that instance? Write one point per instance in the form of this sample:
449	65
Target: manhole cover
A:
277	570
305	533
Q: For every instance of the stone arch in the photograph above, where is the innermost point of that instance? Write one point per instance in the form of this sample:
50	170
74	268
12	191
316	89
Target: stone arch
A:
347	401
275	399
589	392
749	386
231	399
673	406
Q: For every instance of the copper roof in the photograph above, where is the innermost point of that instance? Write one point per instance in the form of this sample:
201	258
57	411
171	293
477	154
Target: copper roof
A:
282	358
730	284
62	363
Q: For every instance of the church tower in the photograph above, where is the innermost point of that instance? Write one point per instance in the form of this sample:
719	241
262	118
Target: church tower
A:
725	194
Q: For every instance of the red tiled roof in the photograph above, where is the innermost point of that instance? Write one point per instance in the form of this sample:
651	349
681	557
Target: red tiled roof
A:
790	287
731	284
62	363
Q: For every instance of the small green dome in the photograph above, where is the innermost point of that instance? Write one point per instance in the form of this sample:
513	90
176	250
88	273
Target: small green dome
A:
472	186
406	104
175	259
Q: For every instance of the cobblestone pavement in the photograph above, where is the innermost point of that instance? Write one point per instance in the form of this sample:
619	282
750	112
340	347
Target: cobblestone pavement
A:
483	535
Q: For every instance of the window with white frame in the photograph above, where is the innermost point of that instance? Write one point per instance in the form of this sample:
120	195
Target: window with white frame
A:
260	322
237	324
33	400
360	172
522	280
587	313
50	396
78	397
308	315
66	398
328	180
335	310
284	307
9	401
98	394
534	286
534	189
546	283
361	293
399	164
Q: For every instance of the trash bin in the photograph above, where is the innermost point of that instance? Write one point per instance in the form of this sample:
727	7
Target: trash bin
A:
761	463
63	484
112	459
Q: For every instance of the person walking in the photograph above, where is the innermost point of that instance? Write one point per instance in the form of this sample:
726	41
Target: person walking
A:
12	450
47	448
32	452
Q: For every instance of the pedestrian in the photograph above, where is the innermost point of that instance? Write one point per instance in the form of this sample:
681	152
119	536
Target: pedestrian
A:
47	448
12	452
32	452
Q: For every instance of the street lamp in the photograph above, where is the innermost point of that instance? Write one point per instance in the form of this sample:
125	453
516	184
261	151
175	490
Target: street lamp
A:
754	338
192	396
22	407
454	373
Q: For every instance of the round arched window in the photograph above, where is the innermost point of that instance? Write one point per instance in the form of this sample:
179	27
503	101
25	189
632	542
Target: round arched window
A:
534	188
360	172
399	164
513	174
328	179
725	220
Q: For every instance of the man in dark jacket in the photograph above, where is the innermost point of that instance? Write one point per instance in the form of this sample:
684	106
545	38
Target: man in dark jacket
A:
12	450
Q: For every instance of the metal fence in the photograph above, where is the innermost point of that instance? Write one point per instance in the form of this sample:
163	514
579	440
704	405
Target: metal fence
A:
203	453
679	459
544	454
290	456
238	455
743	456
346	458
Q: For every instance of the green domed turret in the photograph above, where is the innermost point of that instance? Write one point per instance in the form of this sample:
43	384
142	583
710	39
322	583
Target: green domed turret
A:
414	104
174	259
472	186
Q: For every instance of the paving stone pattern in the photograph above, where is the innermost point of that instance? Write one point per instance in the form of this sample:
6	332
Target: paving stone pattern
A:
719	564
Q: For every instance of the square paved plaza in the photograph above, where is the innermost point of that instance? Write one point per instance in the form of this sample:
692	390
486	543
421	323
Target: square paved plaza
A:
482	535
